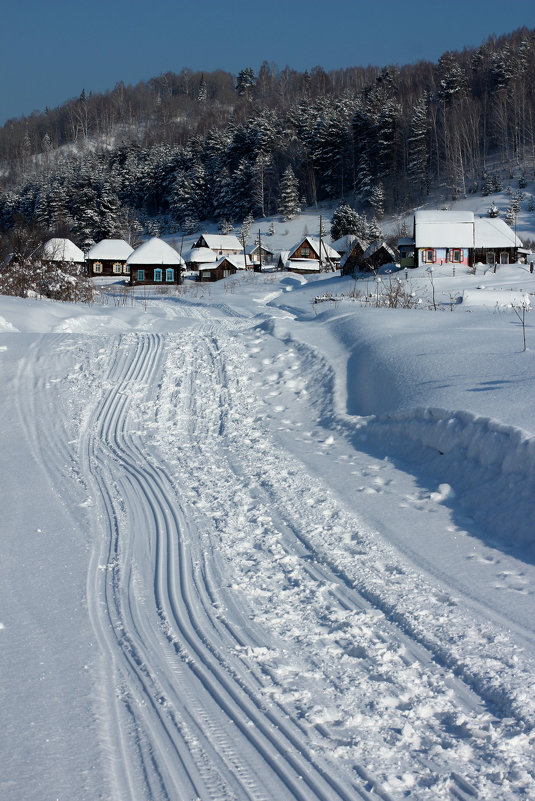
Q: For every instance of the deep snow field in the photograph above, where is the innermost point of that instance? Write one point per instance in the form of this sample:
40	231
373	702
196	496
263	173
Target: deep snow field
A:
256	547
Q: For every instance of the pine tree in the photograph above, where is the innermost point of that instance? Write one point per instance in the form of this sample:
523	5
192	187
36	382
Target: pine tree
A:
110	214
377	199
246	82
417	167
289	204
346	220
202	94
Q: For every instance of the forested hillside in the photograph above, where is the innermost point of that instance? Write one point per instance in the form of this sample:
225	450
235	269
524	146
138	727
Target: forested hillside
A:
179	149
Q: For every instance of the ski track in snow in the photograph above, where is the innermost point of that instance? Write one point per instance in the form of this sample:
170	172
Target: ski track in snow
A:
257	640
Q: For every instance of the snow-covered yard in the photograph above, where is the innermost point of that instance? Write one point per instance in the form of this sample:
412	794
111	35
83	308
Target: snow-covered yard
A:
257	547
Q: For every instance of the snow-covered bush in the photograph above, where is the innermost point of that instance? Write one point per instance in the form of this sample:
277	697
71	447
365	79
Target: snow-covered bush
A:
56	280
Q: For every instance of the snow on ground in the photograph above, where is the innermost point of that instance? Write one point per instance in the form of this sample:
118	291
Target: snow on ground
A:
258	547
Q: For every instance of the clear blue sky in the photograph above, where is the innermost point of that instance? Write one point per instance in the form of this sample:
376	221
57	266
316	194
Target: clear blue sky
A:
52	49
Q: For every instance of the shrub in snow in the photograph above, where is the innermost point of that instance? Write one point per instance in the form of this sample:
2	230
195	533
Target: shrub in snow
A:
57	280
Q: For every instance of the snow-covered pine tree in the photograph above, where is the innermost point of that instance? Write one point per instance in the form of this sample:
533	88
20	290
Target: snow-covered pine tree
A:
110	214
374	230
225	227
289	204
346	220
417	167
488	184
493	210
245	82
245	227
377	199
202	94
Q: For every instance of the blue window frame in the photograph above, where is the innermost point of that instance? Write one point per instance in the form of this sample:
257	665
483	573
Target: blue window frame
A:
157	274
169	275
141	275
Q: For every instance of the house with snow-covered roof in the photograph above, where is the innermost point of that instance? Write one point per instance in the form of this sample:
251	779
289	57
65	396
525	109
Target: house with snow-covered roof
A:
495	242
109	257
221	244
458	237
367	256
62	250
312	255
196	258
156	263
225	266
351	261
443	236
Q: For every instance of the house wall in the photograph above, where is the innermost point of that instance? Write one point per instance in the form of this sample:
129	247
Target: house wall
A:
108	267
443	256
223	271
150	274
304	251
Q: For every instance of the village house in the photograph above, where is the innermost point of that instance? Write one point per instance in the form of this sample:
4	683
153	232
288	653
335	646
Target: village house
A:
109	258
459	238
62	250
495	242
262	255
197	258
364	257
221	244
305	257
227	265
351	261
155	263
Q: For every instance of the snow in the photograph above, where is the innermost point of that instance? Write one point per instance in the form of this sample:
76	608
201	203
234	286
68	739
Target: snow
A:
111	249
155	251
494	233
258	547
57	249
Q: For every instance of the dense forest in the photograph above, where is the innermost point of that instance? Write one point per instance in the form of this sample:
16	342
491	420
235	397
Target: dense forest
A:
180	149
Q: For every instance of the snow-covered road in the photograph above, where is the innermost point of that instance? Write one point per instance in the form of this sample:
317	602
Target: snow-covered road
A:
256	628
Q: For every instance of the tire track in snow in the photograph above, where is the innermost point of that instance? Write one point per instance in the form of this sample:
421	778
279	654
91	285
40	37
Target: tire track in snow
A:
267	492
125	633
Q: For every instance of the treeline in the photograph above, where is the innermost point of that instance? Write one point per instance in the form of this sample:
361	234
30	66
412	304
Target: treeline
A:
181	149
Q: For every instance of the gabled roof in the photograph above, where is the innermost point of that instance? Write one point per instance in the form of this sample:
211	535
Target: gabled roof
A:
357	242
222	241
200	256
111	249
57	249
327	252
236	259
253	248
437	228
343	244
379	244
155	251
491	232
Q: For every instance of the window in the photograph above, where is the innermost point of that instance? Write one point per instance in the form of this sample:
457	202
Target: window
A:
126	269
97	267
157	274
457	255
226	273
489	258
141	275
117	268
169	275
305	252
205	273
429	256
504	258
